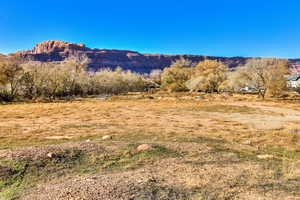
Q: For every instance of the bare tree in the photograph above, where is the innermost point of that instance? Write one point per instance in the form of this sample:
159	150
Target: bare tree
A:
10	75
265	75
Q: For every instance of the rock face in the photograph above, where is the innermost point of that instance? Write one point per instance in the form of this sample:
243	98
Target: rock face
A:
55	50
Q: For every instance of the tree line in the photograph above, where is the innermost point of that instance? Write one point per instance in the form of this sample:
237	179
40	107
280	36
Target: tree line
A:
21	80
264	76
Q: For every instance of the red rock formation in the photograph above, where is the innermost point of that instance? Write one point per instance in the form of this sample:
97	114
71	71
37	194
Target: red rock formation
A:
55	50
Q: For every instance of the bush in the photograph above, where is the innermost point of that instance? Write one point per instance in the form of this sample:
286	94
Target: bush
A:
155	76
266	76
34	80
297	89
10	76
174	78
208	76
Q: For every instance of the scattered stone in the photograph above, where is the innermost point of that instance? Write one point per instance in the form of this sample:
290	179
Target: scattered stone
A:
247	142
107	137
58	137
265	156
186	98
199	97
103	98
78	99
144	147
51	155
40	153
137	97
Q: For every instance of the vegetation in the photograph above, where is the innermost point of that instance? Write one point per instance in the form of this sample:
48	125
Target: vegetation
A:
33	80
297	89
155	75
212	149
174	78
266	76
36	80
10	75
208	76
201	145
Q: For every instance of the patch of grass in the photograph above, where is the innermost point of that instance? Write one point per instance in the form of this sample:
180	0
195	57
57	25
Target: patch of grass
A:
30	172
131	158
153	189
12	185
27	172
222	108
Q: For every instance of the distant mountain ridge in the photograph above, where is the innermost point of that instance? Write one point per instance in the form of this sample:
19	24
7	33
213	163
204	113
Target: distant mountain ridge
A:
55	50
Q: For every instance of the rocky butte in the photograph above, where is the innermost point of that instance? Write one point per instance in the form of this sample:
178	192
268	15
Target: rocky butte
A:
55	50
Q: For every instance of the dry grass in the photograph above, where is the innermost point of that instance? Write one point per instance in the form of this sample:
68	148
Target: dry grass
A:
44	123
207	148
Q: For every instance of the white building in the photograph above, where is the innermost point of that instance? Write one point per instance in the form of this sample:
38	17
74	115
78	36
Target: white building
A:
294	80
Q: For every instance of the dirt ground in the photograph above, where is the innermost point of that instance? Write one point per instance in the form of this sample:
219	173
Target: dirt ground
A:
203	148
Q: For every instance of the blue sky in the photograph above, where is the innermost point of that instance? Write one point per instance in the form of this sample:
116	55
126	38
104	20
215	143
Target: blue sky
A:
268	28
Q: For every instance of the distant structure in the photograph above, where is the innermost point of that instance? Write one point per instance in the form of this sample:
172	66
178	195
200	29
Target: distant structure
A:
294	80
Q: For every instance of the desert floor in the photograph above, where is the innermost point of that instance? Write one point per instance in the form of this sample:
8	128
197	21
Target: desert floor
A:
201	147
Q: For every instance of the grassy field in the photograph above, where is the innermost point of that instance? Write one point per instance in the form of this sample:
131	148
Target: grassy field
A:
204	147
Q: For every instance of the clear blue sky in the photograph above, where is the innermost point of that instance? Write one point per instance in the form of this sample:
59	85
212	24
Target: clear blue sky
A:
209	27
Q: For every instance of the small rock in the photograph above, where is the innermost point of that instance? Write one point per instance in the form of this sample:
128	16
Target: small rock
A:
51	155
186	98
247	142
137	97
199	97
79	99
107	137
265	156
144	147
103	98
88	140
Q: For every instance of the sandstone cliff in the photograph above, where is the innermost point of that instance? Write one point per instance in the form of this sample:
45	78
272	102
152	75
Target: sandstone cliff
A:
55	50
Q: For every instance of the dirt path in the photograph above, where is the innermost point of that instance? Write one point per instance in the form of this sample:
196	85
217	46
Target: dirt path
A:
281	117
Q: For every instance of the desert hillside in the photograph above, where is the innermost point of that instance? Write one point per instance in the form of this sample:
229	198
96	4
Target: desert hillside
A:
143	63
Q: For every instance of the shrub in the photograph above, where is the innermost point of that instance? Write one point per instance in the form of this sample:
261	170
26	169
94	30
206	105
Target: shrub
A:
208	76
297	89
155	75
34	80
174	78
50	80
266	76
10	76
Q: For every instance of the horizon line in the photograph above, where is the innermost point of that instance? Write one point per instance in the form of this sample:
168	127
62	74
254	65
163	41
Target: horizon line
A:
152	53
